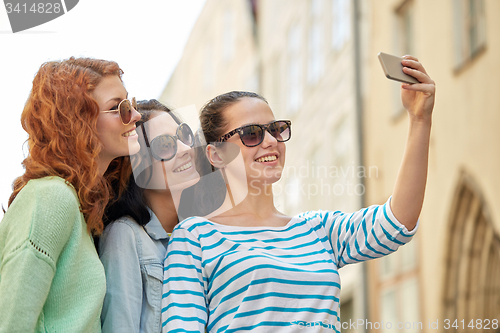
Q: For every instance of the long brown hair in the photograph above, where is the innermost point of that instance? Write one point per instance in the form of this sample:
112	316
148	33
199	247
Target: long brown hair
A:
60	117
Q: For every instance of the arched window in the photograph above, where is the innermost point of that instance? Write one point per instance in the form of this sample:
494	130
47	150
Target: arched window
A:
472	278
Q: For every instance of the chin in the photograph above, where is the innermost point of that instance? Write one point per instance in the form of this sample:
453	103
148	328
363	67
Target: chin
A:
263	180
185	182
133	148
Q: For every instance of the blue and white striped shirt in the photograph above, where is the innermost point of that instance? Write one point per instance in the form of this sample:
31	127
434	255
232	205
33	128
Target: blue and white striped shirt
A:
225	278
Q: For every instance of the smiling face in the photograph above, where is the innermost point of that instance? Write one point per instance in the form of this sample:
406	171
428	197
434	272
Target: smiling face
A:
180	171
117	139
264	162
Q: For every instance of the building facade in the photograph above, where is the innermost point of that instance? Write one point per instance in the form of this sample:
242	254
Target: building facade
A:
220	55
316	63
448	276
308	74
301	56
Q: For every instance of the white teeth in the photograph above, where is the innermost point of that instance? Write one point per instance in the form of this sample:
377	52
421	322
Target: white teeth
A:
184	167
133	132
267	159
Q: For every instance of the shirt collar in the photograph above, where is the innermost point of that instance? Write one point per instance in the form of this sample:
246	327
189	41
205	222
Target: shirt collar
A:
154	228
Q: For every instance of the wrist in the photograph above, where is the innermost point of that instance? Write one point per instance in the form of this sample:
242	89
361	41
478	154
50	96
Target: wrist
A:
420	120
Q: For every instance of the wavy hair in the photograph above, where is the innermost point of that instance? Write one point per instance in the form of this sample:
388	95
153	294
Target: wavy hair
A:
60	117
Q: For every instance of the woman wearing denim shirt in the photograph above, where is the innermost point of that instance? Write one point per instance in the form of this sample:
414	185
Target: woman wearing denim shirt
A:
132	248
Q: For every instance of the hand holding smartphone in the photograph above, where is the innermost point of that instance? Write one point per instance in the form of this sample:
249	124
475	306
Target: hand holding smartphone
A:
393	69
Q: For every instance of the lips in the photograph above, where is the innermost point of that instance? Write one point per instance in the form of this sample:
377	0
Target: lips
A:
129	133
183	167
267	158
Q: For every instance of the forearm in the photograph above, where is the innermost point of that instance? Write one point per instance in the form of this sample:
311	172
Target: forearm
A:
25	284
408	194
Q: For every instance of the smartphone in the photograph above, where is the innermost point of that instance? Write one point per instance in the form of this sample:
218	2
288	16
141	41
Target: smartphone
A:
393	68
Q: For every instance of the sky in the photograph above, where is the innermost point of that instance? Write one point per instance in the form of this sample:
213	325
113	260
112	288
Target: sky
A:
145	38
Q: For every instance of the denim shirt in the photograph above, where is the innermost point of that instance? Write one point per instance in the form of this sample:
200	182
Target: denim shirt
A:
133	257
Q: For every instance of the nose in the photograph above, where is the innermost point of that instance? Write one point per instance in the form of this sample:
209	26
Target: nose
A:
182	148
136	116
269	140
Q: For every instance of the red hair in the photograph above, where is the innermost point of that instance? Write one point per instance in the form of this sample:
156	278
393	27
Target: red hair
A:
60	117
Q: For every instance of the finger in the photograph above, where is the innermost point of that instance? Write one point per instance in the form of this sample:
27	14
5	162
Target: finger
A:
427	88
417	74
413	64
409	57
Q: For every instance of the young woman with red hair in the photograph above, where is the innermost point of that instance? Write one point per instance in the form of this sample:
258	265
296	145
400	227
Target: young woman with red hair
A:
79	120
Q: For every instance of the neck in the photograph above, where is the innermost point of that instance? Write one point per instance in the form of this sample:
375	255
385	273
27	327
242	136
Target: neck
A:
260	198
259	201
164	204
103	165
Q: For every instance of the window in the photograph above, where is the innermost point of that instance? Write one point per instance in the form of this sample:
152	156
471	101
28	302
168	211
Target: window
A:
469	29
316	8
404	28
399	290
229	35
403	44
294	69
252	83
472	280
208	68
341	23
400	307
388	307
314	50
315	56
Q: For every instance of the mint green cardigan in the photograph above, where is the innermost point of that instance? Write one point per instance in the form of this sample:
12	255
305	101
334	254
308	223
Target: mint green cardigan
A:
51	278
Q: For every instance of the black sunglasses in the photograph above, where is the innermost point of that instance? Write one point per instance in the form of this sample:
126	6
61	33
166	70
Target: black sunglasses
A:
125	110
164	147
253	135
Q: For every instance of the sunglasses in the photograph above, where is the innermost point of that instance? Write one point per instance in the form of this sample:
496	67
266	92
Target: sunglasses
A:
253	135
164	147
125	110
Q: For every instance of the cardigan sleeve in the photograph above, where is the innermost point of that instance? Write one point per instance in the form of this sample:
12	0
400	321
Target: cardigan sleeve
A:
33	233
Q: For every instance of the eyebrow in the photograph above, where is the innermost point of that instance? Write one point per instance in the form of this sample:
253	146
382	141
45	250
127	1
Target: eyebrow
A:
117	99
247	124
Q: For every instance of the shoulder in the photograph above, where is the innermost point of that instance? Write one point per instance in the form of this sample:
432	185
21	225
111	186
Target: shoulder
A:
124	235
52	184
122	230
192	222
191	228
45	211
48	199
50	191
120	242
123	223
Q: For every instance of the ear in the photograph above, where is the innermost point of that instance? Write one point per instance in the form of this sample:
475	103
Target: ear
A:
214	157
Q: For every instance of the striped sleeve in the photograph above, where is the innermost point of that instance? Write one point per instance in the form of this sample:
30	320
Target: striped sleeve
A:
369	233
184	306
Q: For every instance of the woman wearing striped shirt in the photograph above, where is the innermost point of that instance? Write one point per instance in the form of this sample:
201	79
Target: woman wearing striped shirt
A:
254	268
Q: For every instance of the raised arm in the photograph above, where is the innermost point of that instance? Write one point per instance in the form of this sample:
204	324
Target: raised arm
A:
418	100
